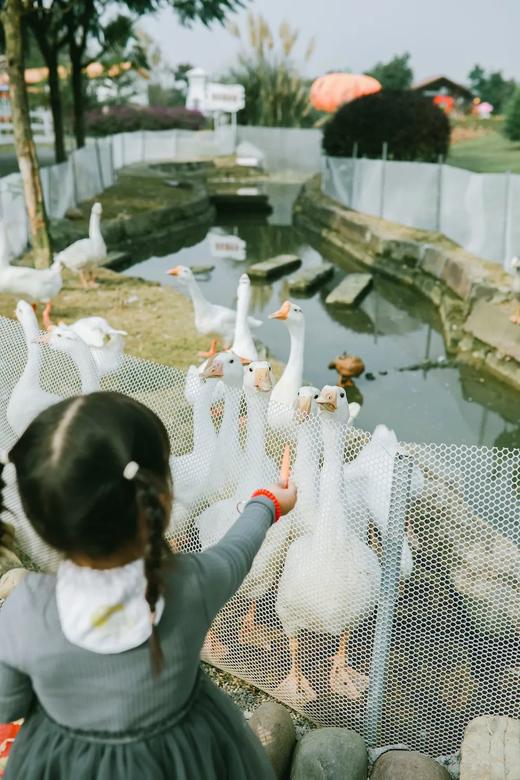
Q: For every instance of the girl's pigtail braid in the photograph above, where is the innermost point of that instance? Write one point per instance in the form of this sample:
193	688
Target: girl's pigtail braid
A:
6	530
153	514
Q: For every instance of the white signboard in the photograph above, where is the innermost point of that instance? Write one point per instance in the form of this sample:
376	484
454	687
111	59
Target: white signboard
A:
224	97
227	246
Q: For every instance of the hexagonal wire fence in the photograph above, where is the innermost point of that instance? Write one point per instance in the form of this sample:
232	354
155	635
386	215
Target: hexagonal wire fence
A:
388	601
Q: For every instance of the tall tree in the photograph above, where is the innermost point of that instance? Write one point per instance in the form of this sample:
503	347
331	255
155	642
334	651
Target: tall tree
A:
11	17
87	37
46	21
492	87
395	74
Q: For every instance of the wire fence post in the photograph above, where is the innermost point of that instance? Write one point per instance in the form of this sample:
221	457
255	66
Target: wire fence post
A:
143	142
383	177
390	572
439	194
74	178
123	149
354	173
506	249
99	166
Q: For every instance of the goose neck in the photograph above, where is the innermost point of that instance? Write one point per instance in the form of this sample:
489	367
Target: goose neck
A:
200	302
86	369
306	462
294	366
331	515
202	425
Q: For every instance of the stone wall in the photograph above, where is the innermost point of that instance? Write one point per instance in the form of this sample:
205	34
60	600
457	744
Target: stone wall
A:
474	297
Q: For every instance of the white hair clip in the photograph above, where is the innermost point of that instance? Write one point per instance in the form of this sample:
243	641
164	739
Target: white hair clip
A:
4	457
130	470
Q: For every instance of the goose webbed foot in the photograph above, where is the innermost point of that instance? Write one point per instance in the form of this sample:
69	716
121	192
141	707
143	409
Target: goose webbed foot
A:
346	681
213	649
256	634
212	350
515	318
46	316
295	689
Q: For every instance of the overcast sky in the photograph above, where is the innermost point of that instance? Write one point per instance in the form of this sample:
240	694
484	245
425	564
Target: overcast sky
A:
443	36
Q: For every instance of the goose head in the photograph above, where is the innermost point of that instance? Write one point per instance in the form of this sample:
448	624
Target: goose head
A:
26	316
225	366
182	273
306	403
258	378
333	404
97	209
97	332
291	314
61	338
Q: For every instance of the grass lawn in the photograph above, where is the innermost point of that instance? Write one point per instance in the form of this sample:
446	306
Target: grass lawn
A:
488	153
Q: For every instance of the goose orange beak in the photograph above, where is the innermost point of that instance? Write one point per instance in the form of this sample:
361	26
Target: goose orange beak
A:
214	369
263	380
328	400
174	271
282	313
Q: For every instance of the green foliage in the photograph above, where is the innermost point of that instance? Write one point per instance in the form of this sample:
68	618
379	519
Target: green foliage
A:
127	119
396	74
492	88
512	123
412	125
276	94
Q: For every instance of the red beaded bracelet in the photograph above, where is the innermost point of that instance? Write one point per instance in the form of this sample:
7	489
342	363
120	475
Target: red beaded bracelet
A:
271	497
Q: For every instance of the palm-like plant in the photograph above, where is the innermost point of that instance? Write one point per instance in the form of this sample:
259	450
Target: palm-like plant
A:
276	94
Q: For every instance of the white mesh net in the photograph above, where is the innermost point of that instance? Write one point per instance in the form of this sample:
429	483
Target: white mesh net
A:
388	601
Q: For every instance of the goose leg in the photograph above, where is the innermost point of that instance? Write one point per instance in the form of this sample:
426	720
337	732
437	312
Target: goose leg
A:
83	279
255	634
46	316
91	278
295	688
212	350
345	680
213	648
516	317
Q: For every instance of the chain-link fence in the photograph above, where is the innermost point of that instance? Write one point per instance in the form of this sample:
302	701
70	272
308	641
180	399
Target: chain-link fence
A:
92	169
388	601
477	210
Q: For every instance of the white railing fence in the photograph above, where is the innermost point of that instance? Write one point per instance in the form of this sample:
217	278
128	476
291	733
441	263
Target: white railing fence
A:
41	123
479	211
90	170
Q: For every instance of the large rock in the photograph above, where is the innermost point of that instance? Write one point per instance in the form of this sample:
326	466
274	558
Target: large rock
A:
407	765
349	290
491	324
276	266
330	754
274	728
310	278
491	749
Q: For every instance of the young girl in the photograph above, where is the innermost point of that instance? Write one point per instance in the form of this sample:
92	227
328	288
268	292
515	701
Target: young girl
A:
102	660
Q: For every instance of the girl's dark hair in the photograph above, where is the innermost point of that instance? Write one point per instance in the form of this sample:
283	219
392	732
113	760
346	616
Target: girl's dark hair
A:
69	466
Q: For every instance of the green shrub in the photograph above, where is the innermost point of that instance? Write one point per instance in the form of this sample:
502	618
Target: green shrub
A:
512	123
276	94
412	126
125	119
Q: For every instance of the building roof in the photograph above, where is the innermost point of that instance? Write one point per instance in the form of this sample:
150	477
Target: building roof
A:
433	81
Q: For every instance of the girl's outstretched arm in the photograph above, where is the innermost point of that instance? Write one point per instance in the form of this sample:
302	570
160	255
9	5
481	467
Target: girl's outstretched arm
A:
223	567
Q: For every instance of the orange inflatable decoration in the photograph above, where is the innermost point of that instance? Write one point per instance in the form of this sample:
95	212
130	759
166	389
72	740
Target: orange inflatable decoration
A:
8	732
331	91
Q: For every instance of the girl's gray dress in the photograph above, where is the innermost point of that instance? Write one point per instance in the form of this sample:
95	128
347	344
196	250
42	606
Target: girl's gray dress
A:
105	717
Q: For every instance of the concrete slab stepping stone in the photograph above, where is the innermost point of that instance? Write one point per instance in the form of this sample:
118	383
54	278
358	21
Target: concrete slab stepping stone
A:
276	266
349	290
491	749
274	728
309	279
330	754
407	765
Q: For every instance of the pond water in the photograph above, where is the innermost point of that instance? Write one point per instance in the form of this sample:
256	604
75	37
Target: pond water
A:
409	384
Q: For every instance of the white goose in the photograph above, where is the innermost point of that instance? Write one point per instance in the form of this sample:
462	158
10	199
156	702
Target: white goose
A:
39	285
210	318
243	343
190	471
62	339
331	579
256	467
28	398
268	563
83	256
286	391
106	343
369	483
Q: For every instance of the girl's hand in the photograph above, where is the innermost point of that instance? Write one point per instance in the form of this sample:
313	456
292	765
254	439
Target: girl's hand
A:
286	495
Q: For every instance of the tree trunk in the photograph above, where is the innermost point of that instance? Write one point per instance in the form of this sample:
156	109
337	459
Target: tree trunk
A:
78	95
50	55
25	149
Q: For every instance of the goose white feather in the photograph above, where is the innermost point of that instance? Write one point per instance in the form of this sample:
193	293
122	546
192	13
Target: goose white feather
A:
210	318
106	343
286	391
243	344
87	253
28	398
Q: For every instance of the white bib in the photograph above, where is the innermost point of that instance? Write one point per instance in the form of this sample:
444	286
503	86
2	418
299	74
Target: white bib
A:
104	610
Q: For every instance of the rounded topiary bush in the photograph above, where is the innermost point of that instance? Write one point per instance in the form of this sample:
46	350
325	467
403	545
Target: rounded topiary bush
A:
412	125
512	123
